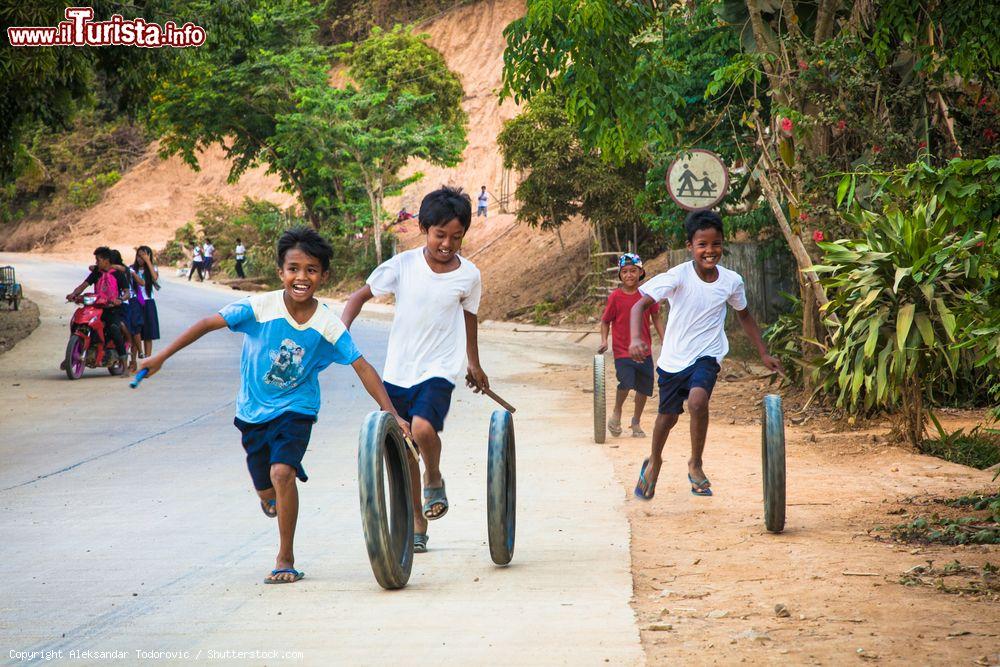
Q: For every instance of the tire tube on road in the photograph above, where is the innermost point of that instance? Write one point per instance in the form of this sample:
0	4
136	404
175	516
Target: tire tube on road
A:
74	342
387	522
501	487
600	401
773	463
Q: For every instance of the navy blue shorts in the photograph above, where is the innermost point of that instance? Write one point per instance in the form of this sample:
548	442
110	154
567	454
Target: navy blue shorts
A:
674	387
429	399
635	375
283	439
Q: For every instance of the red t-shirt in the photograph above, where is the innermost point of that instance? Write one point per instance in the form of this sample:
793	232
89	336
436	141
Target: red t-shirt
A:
617	314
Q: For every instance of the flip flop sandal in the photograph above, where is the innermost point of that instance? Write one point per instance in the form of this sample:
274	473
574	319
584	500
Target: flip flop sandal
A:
287	570
269	507
420	543
637	431
700	488
435	495
651	488
615	427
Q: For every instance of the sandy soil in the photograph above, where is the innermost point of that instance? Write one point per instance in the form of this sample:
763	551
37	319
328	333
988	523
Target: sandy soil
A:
707	576
16	325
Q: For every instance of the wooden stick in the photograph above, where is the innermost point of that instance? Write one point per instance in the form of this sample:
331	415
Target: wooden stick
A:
489	392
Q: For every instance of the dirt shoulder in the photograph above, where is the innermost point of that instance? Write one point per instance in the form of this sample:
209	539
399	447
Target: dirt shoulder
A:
16	325
707	576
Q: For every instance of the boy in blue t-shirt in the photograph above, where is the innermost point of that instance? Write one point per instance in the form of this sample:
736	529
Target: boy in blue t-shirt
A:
289	337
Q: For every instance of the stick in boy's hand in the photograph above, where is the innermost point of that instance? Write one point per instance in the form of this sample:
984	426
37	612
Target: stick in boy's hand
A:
469	380
139	377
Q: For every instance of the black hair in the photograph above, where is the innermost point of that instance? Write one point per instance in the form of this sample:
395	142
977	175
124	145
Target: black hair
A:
208	240
103	252
147	275
308	241
239	240
698	220
445	204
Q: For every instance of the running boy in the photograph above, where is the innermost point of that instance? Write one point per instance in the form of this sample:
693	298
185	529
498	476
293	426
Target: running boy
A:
632	375
279	393
695	344
434	328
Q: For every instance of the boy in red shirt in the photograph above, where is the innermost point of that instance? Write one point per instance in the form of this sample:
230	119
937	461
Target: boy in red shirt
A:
632	375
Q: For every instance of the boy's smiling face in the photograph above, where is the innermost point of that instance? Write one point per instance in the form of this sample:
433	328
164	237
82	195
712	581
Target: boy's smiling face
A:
444	242
301	274
706	249
630	275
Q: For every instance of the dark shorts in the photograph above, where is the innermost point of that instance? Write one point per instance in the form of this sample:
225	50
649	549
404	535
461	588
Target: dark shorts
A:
635	375
150	321
133	316
674	387
207	264
283	439
429	399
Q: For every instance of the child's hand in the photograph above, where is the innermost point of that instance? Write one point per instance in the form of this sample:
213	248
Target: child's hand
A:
603	348
151	364
638	350
773	364
477	379
404	426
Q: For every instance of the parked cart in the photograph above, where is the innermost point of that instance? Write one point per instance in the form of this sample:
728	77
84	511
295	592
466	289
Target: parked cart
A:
10	289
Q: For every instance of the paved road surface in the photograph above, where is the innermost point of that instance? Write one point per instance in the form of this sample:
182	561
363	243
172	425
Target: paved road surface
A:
129	524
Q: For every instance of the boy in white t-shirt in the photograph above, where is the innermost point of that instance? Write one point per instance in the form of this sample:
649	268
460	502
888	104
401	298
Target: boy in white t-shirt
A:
694	343
434	328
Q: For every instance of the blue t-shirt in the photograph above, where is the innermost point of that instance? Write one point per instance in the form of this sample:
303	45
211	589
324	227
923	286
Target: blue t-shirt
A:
281	358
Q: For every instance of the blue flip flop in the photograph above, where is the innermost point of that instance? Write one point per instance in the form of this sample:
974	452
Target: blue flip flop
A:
287	570
269	507
700	488
420	543
650	488
435	495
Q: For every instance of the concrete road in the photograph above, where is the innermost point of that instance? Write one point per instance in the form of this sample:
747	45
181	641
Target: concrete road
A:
129	525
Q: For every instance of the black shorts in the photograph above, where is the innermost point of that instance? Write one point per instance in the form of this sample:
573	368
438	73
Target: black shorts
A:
430	399
635	375
674	387
283	439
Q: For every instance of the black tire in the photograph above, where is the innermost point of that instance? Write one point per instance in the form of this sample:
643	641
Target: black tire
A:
387	523
118	367
71	345
773	458
600	402
501	487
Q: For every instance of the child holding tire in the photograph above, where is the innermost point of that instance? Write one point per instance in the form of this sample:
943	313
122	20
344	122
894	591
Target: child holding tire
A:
289	337
695	343
632	375
434	330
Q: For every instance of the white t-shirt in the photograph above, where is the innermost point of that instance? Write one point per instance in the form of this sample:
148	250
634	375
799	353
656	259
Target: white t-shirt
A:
240	251
197	254
209	250
697	319
483	199
427	338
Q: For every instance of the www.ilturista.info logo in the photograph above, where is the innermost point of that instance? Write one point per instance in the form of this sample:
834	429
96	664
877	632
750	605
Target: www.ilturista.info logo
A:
80	30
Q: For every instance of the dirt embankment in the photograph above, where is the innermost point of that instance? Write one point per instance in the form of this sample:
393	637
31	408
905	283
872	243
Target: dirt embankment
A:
16	325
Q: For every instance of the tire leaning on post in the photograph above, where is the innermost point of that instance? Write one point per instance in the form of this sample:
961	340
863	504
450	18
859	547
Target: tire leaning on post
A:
773	463
501	487
387	522
600	402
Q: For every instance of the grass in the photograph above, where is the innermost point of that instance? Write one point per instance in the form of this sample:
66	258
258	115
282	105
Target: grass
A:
981	528
978	448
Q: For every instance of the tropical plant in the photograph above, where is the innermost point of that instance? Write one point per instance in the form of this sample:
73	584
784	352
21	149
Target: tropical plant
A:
915	296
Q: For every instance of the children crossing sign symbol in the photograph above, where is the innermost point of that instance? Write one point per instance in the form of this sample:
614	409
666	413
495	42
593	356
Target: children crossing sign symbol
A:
697	180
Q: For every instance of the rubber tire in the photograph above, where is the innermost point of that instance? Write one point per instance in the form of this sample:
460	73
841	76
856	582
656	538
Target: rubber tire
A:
387	523
117	368
74	340
773	463
501	487
600	401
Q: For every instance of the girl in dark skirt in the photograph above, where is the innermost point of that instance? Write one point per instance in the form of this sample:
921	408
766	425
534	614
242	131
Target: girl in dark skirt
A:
150	276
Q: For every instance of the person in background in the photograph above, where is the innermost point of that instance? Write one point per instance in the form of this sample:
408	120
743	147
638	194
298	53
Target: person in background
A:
241	255
134	309
208	251
197	262
150	278
483	201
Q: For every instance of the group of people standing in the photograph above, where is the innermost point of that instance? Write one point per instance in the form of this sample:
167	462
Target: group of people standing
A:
203	258
132	315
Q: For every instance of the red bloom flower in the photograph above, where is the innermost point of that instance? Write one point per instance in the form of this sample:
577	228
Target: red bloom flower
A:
876	149
817	236
786	125
983	102
989	134
841	125
803	216
922	145
803	65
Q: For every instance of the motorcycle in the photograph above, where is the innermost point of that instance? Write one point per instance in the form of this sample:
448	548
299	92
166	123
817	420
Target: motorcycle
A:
87	347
